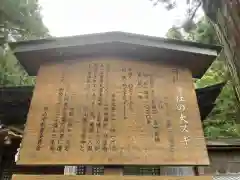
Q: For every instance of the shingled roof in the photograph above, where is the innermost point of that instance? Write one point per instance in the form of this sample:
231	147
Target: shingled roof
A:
195	56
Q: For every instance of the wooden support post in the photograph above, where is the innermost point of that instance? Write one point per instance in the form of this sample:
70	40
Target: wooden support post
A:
196	172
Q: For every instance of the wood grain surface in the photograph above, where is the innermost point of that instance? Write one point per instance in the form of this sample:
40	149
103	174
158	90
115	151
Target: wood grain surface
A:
113	111
66	177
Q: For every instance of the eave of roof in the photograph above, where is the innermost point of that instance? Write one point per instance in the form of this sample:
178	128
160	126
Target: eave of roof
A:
223	144
195	56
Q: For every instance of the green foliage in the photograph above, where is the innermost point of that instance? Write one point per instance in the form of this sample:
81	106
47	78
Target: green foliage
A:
222	121
12	73
174	33
203	32
19	20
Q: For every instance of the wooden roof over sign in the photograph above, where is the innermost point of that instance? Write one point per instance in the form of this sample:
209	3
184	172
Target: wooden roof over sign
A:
196	57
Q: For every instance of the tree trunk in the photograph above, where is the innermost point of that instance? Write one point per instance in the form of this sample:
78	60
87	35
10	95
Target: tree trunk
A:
225	16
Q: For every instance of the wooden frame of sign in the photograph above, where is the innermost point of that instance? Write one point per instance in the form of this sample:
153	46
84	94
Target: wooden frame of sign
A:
68	177
113	111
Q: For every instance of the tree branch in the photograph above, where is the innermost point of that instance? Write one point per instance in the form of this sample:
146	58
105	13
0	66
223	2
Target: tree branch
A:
195	10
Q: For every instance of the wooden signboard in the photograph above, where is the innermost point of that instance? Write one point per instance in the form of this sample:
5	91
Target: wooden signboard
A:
111	111
62	177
